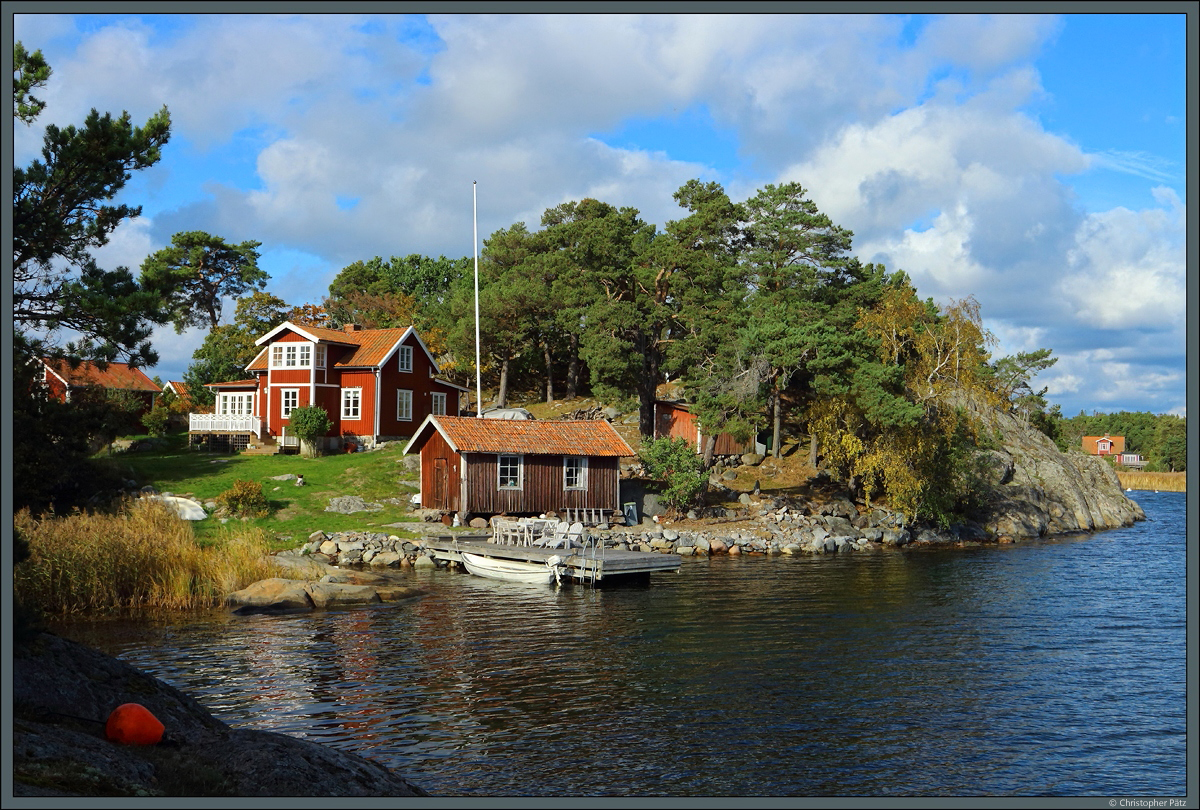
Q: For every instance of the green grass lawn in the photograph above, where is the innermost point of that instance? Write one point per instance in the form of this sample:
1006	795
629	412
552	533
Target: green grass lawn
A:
296	512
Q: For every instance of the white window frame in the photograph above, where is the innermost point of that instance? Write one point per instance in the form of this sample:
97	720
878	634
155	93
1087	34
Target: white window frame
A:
352	401
320	354
404	414
291	355
501	464
235	404
285	410
580	468
437	404
404	359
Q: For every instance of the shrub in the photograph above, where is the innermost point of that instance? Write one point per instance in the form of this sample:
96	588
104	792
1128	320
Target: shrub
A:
156	420
675	463
309	423
245	499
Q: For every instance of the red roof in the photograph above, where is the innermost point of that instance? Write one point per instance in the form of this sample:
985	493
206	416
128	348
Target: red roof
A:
585	437
372	345
120	376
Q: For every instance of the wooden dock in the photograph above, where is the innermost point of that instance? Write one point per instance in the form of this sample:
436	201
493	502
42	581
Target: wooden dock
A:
591	564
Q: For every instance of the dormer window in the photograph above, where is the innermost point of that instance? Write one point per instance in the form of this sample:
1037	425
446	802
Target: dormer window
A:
293	355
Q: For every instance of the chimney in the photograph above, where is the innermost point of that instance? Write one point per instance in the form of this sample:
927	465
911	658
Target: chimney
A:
351	327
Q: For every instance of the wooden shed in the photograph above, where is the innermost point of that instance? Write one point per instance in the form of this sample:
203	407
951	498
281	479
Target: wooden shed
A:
494	466
675	420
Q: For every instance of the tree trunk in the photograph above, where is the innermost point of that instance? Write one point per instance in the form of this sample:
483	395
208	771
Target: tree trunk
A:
549	372
502	396
777	420
647	385
573	368
710	447
812	450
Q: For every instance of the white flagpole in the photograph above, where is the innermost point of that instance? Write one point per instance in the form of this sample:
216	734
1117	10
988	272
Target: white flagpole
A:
478	379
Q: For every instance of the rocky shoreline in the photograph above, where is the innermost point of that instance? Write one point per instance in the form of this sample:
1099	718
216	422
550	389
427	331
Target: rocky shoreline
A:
1028	489
772	525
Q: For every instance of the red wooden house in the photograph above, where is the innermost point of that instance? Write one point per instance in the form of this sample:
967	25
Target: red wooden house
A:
1104	445
675	420
495	466
180	391
375	384
60	379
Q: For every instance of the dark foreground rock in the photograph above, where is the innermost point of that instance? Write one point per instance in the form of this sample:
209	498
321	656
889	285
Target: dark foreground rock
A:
63	691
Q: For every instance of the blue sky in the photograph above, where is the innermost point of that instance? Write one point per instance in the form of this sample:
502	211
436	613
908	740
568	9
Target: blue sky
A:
1035	162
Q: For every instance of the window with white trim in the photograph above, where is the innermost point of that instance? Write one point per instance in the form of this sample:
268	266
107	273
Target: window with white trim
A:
574	472
405	358
235	404
437	405
320	355
290	399
509	472
404	405
291	355
351	403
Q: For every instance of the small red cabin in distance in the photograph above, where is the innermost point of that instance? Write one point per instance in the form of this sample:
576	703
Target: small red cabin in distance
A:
1104	445
675	420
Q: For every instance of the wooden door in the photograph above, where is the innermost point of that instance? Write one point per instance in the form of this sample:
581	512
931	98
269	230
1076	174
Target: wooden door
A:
441	480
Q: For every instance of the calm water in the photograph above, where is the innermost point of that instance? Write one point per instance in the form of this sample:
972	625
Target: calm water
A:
1050	668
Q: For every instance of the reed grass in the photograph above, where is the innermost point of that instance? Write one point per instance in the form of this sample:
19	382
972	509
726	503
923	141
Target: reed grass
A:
142	557
1161	481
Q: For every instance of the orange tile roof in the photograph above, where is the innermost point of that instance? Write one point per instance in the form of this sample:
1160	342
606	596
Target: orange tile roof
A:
120	376
372	345
594	437
180	389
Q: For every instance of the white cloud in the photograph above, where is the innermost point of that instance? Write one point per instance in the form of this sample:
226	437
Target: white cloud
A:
924	150
987	42
1139	164
128	245
1127	268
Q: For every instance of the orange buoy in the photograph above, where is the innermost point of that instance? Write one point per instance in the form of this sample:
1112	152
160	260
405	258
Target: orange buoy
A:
133	724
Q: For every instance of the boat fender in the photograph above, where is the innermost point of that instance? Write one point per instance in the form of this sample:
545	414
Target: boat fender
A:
133	724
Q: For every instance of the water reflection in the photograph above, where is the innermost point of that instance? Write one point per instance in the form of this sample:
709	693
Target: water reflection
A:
1050	668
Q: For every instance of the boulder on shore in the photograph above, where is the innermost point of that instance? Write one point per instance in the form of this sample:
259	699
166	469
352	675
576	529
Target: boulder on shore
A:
279	595
1036	489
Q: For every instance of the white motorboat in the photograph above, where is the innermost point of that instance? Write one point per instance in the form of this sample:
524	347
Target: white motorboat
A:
512	570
